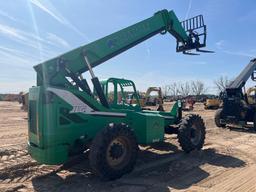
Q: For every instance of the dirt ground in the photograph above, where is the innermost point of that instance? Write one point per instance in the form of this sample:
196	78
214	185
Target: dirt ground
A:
226	163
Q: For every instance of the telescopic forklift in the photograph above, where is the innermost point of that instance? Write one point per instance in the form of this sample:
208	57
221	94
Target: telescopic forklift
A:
66	117
238	107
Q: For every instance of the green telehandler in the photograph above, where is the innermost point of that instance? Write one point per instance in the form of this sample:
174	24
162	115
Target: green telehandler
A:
66	117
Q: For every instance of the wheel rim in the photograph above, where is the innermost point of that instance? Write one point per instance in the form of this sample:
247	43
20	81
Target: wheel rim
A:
195	135
118	152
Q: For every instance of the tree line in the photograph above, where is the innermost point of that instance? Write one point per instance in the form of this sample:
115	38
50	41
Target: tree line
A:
196	87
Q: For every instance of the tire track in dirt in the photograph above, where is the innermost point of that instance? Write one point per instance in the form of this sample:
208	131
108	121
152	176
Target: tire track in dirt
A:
32	170
6	156
24	169
16	166
234	178
218	160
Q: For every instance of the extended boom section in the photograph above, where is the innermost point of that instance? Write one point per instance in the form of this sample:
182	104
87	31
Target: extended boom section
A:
105	48
241	79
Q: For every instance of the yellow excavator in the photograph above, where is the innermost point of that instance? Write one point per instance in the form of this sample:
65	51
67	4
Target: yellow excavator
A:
153	100
149	99
212	103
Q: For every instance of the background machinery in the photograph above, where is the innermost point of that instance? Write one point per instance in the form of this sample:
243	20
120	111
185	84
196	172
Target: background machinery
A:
132	100
212	103
146	99
154	100
239	106
188	103
23	100
66	117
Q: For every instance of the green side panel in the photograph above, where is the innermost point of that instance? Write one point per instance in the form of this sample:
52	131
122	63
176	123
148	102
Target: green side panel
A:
149	128
169	118
34	116
51	156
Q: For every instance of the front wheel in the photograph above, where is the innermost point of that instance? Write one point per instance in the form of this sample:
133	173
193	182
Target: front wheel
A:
191	134
113	152
217	118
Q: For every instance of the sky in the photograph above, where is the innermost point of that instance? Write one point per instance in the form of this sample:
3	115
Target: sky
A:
32	31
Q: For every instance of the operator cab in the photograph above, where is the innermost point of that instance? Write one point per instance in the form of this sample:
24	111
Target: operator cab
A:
120	92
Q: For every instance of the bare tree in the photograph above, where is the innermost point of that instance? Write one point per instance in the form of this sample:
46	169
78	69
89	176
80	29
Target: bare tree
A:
184	89
222	83
165	89
198	87
174	89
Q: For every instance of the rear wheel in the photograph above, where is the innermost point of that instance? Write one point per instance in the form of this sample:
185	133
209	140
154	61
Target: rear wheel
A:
217	118
113	152
191	134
